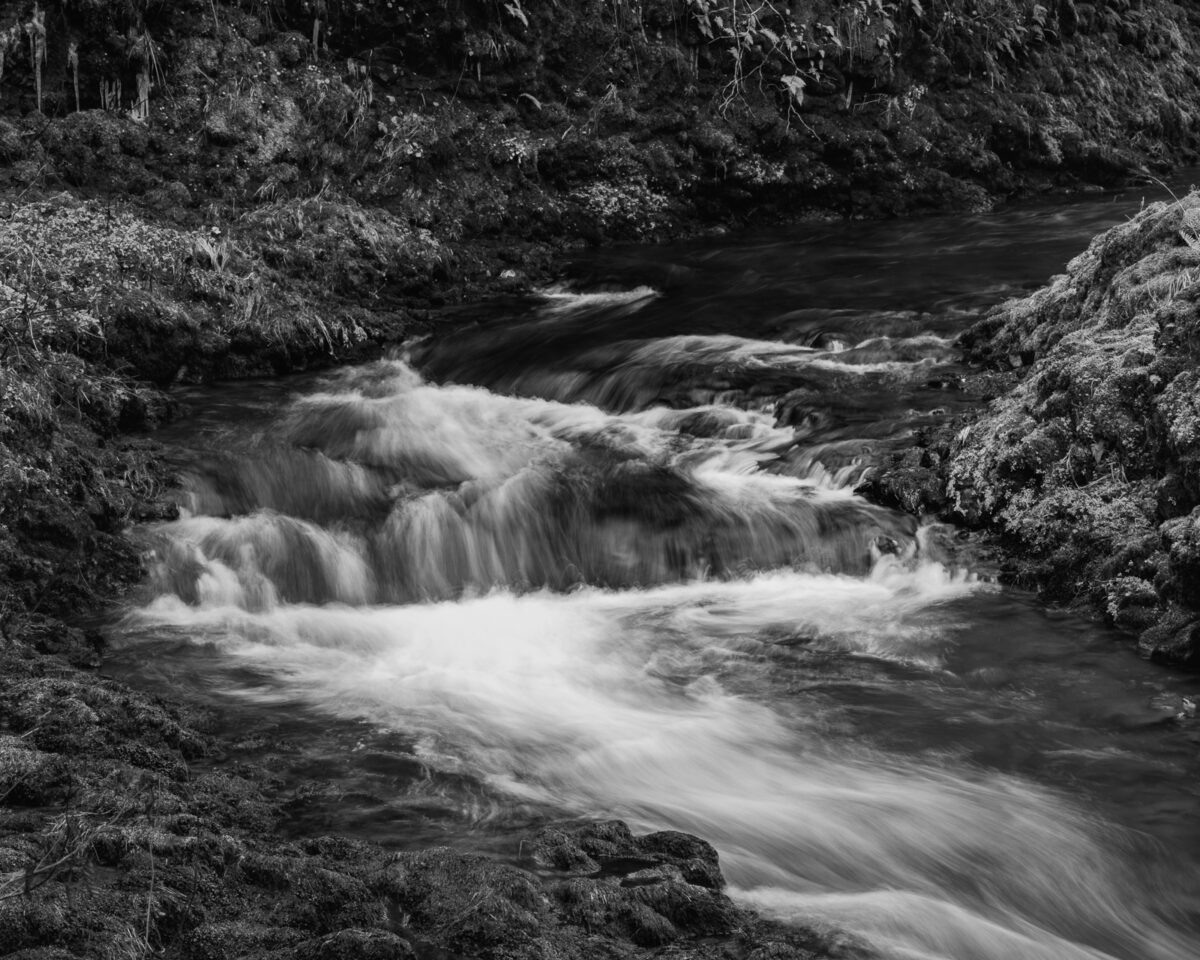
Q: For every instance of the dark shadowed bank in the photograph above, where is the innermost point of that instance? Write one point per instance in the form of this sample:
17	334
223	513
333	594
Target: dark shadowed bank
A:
194	190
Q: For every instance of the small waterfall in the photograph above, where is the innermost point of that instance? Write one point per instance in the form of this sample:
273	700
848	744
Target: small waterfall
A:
389	489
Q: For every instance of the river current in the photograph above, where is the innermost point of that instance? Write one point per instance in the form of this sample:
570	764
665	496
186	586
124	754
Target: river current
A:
598	553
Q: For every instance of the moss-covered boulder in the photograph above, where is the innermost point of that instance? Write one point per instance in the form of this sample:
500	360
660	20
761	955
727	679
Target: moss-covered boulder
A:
1089	465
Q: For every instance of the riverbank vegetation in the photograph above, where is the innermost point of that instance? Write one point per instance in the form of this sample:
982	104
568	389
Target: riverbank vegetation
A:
478	119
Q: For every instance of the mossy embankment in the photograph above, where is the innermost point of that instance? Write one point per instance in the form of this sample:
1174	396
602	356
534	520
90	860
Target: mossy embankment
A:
118	841
196	190
1087	463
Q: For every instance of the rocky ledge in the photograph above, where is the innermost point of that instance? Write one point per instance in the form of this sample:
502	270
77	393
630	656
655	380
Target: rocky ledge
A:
1087	462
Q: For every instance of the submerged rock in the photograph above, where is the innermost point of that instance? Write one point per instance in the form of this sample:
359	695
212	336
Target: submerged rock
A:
609	848
642	894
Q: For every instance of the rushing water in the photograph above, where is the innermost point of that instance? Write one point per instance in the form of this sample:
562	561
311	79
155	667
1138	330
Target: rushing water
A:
600	555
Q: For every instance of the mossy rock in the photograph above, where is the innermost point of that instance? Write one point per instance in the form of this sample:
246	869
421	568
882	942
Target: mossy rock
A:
1089	462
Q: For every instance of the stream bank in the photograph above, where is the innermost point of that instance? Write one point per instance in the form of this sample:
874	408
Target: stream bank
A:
1085	463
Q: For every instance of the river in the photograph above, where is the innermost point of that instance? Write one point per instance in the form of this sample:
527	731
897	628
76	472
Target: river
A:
597	553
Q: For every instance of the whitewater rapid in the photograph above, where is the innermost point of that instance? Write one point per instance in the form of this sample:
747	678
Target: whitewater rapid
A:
597	607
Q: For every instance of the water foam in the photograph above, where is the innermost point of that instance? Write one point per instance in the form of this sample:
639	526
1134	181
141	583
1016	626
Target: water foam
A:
646	704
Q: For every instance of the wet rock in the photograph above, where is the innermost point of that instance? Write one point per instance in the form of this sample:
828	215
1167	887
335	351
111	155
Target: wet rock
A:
912	480
648	892
473	903
651	875
885	546
691	909
560	850
696	859
609	847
